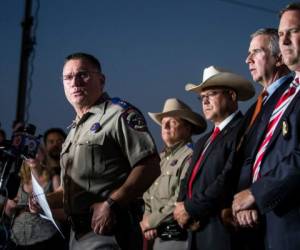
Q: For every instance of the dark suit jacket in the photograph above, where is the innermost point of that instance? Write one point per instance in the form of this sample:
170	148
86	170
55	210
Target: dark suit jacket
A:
253	238
247	152
280	177
277	191
209	189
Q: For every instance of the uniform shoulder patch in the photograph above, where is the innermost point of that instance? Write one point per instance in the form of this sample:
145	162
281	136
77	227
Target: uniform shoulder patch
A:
120	102
135	119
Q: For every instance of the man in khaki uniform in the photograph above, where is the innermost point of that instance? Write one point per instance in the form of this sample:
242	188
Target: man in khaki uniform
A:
108	159
178	123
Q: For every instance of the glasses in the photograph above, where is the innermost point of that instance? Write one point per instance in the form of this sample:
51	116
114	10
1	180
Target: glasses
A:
82	75
209	95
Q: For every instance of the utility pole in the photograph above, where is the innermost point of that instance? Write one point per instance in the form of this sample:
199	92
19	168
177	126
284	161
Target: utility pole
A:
26	49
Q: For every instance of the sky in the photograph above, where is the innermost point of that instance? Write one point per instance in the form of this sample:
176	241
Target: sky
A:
148	50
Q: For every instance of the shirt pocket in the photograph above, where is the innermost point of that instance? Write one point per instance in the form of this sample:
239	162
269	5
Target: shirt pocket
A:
167	184
64	153
91	154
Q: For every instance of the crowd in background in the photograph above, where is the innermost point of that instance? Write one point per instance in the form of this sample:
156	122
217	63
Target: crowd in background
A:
109	188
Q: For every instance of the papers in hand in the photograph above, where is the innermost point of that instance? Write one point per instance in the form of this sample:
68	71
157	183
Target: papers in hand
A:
39	195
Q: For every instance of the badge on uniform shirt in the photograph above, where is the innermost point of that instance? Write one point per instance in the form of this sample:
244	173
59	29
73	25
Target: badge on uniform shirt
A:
135	120
285	129
95	127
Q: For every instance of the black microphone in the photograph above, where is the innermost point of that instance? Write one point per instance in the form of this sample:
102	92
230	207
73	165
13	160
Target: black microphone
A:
24	145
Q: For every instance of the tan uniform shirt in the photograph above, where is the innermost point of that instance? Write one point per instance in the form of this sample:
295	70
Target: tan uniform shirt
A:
100	151
160	198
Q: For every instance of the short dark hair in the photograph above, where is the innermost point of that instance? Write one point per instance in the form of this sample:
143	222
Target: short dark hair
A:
54	130
80	55
291	6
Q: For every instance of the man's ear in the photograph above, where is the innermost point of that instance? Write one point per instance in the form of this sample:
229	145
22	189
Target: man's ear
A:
279	60
102	77
233	95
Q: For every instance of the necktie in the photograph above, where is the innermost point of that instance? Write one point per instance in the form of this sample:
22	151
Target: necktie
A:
198	163
277	113
258	107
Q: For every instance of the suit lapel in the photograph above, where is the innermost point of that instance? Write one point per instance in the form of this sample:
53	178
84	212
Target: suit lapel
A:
197	152
284	117
237	118
259	128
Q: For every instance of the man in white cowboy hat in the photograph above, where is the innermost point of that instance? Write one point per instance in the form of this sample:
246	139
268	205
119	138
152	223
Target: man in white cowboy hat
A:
178	122
209	181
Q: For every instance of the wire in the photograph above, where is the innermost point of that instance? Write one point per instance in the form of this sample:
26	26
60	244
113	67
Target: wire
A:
31	59
251	6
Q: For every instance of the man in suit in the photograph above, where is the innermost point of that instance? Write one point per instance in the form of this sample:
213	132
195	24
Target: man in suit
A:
207	184
275	168
267	68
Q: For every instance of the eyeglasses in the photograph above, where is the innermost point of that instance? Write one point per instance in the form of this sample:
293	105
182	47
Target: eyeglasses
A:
209	95
82	75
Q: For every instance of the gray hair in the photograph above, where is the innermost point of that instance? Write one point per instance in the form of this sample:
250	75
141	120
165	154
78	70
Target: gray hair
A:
274	39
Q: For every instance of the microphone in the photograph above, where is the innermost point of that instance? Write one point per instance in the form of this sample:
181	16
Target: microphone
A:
23	145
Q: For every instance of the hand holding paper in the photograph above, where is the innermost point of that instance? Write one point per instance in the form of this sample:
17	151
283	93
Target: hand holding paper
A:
39	198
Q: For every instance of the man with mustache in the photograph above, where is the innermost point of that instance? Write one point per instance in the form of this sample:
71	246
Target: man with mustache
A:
178	123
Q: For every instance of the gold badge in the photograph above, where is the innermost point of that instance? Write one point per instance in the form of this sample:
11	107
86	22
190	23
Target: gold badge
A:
285	129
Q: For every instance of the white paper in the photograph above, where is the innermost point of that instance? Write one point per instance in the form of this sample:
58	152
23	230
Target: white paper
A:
40	197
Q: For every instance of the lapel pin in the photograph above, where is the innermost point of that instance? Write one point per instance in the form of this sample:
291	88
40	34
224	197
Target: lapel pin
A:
285	129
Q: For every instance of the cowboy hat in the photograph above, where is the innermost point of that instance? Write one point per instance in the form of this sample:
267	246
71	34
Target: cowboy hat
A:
175	107
217	77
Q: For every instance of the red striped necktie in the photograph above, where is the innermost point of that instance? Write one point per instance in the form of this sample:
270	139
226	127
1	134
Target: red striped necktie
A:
198	163
278	111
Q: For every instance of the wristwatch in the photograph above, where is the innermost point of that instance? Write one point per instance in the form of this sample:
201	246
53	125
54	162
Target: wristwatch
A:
112	203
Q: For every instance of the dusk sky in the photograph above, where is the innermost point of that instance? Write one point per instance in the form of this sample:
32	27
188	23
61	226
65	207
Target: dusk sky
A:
148	50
